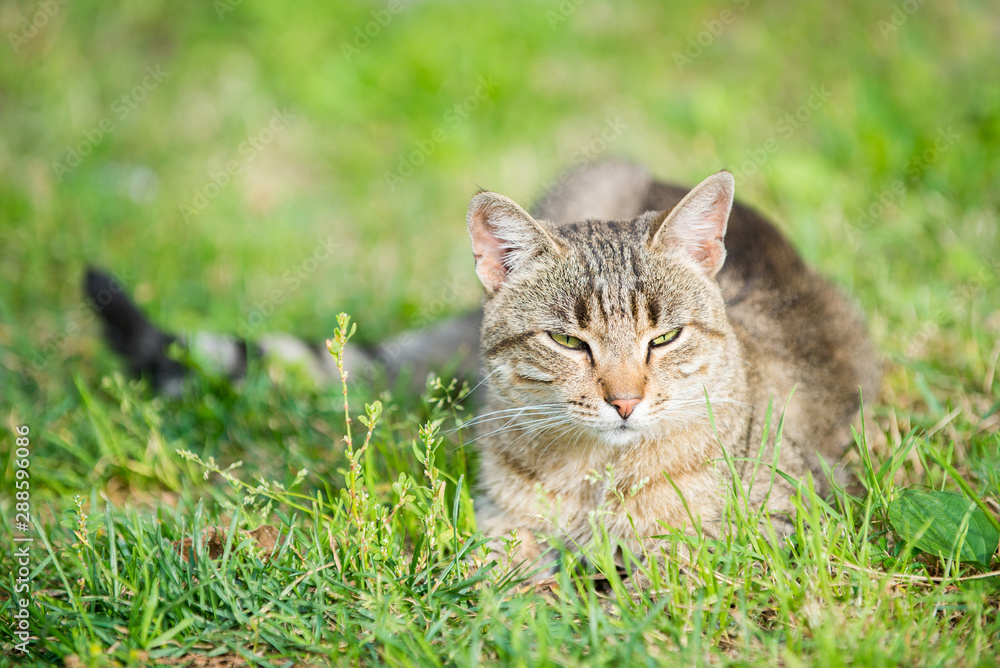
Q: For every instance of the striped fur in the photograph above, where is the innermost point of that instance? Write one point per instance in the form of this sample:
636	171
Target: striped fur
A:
450	345
752	327
612	430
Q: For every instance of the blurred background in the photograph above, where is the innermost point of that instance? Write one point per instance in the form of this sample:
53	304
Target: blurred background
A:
251	166
247	166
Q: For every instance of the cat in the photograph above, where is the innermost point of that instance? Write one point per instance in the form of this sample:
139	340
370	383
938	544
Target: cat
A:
605	342
613	322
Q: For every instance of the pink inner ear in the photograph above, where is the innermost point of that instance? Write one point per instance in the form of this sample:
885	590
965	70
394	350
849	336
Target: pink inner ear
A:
711	254
489	252
505	238
711	250
698	222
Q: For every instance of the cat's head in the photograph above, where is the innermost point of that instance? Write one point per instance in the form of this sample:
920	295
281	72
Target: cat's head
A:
614	329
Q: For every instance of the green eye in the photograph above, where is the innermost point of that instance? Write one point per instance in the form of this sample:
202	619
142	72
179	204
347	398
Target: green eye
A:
567	340
664	339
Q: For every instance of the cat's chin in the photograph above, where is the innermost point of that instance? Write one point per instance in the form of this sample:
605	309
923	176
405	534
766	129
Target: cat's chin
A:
621	435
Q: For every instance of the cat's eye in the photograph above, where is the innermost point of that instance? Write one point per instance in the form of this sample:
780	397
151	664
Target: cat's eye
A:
567	341
664	339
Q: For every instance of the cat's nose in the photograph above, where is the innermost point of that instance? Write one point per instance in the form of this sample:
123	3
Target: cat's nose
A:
625	406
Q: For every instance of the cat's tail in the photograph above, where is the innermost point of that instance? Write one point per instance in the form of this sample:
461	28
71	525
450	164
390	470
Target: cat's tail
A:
130	333
144	346
449	345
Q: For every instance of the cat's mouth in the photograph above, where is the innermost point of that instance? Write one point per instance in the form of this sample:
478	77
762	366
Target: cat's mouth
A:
624	433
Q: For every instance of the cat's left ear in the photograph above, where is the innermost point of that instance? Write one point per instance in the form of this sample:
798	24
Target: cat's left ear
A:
697	225
505	238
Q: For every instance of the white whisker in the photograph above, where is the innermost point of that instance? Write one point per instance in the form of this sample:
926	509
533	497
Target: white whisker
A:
536	426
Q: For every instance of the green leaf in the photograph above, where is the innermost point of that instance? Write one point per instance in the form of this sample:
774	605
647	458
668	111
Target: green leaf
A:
167	636
937	522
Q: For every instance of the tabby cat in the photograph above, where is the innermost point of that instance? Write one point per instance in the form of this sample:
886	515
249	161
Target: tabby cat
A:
614	322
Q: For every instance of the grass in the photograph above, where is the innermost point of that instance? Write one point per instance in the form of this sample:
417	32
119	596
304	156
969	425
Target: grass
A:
884	179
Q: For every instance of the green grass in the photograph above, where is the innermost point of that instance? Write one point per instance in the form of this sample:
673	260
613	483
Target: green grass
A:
888	187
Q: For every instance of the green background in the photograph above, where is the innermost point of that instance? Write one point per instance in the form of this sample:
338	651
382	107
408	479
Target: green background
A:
870	131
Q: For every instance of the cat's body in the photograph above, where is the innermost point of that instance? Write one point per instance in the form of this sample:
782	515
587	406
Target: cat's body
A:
602	345
764	329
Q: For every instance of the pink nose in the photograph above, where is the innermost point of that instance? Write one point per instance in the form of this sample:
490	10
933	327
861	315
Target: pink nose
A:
624	406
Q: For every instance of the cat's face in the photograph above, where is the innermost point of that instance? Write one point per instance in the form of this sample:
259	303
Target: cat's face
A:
612	330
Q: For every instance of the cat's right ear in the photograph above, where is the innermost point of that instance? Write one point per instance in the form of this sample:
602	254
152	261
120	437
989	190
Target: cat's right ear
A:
505	238
696	227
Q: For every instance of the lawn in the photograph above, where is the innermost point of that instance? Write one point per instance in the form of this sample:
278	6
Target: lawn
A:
257	167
